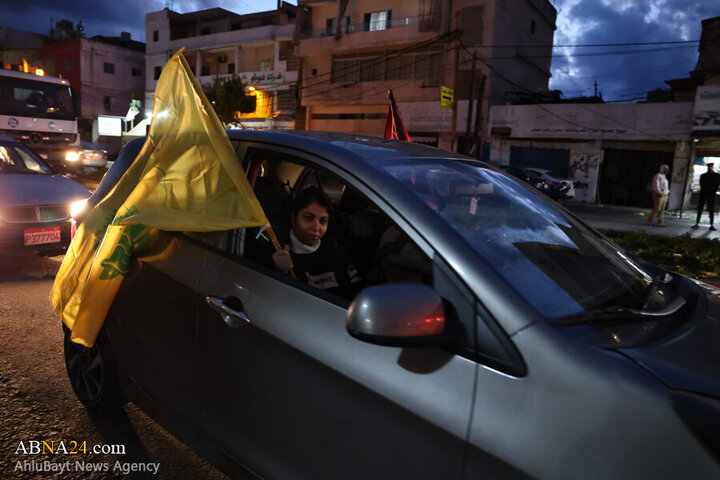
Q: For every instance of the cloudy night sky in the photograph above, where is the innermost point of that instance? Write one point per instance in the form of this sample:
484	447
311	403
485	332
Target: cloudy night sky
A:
623	73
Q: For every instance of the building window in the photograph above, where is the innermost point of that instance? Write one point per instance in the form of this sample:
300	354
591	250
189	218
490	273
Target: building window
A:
109	102
205	70
136	72
109	67
264	65
69	64
330	24
532	26
420	64
156	35
157	72
231	68
377	21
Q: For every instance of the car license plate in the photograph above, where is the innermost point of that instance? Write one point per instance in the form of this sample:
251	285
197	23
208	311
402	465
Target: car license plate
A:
38	236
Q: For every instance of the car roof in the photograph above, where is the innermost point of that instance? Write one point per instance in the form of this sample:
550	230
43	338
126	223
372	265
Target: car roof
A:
330	144
5	139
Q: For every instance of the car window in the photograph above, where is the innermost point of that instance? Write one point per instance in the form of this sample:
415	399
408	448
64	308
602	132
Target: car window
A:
559	266
15	159
377	250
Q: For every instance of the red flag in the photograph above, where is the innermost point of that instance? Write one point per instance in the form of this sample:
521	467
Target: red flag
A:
394	128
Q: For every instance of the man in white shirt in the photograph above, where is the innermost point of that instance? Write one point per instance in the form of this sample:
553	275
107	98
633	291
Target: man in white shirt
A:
661	190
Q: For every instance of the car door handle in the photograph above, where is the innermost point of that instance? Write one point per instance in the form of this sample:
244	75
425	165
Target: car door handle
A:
230	310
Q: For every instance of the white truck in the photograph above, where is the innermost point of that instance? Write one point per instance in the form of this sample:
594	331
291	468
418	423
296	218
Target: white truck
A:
40	111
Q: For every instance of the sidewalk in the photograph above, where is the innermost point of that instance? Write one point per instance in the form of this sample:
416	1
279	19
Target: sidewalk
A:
635	219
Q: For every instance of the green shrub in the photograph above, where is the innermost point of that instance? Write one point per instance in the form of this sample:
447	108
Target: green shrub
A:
694	257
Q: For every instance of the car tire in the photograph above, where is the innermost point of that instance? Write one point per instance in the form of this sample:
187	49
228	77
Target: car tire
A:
93	374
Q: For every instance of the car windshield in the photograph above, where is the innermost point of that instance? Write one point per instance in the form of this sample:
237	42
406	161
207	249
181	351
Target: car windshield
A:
557	264
17	159
34	98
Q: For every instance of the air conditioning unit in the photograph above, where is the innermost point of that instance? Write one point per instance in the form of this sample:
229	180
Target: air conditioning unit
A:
222	59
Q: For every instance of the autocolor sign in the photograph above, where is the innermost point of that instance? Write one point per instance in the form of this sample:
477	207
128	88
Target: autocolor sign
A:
425	117
707	109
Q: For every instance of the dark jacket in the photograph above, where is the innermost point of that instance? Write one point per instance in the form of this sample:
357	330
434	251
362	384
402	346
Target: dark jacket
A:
709	183
327	268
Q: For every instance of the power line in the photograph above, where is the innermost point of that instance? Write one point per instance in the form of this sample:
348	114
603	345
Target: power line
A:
593	54
374	62
361	67
593	45
392	54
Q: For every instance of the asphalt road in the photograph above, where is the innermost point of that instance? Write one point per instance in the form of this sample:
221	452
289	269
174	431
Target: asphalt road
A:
37	402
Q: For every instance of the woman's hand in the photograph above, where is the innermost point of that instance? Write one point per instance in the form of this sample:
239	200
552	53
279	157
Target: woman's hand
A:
282	259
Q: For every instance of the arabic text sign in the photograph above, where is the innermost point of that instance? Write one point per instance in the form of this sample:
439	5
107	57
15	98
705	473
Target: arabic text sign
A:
706	114
262	78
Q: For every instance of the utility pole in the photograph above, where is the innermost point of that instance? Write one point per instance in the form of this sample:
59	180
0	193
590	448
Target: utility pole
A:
470	106
453	140
595	85
477	137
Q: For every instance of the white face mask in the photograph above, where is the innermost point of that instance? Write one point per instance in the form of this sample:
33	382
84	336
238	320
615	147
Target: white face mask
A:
299	247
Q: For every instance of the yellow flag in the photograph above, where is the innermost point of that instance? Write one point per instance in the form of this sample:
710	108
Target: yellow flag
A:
185	178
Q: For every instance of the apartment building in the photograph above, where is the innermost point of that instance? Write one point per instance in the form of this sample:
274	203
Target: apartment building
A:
219	43
107	74
354	51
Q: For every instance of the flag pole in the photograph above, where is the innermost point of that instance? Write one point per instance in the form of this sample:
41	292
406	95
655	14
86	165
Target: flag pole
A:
276	244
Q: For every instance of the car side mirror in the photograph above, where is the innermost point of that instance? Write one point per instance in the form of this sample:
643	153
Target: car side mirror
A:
398	314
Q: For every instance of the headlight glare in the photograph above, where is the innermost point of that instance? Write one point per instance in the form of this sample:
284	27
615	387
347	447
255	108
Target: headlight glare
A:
72	156
77	207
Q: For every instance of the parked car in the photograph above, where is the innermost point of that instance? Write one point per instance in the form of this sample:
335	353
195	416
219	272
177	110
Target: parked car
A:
557	188
35	204
86	155
521	174
496	337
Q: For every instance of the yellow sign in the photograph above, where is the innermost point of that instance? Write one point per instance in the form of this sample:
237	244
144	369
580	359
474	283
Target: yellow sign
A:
447	96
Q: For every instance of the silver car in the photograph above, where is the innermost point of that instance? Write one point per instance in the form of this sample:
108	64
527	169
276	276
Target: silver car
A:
36	205
87	154
496	335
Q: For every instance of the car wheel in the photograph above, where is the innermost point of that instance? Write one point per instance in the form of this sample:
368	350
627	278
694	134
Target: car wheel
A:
92	373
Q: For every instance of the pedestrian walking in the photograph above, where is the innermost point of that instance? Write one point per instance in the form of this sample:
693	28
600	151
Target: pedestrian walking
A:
709	183
660	193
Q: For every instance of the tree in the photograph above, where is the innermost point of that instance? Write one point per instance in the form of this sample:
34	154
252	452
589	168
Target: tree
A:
227	96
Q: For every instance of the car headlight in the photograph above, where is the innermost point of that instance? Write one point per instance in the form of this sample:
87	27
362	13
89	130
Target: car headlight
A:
77	207
72	156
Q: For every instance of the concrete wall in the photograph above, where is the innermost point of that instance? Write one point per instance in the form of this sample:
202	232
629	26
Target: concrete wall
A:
587	129
651	121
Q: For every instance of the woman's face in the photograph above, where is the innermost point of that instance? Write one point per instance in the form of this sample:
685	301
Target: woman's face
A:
310	224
